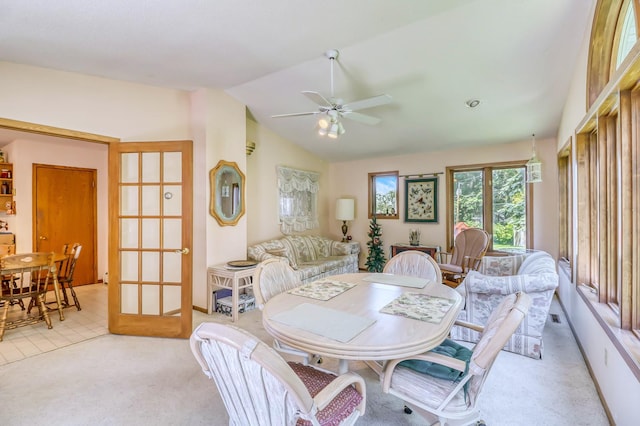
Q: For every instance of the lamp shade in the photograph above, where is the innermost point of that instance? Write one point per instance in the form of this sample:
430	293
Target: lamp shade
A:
345	209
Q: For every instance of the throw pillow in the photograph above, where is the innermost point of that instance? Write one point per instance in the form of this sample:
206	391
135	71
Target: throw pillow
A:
283	252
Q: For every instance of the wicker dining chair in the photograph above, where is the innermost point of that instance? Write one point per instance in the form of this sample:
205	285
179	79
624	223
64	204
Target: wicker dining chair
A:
414	264
453	399
258	387
272	277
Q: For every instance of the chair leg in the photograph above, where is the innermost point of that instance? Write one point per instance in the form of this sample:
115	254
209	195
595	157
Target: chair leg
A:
64	293
43	311
76	303
3	319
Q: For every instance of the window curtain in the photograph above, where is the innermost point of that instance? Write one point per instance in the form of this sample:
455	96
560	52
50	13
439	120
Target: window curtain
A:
298	193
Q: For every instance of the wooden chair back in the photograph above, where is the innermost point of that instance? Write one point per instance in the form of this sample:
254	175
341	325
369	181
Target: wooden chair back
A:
18	270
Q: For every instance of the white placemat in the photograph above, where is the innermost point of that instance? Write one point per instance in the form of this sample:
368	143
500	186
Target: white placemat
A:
401	280
331	323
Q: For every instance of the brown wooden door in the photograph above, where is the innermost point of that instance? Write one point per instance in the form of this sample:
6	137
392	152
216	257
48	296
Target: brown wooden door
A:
64	212
151	228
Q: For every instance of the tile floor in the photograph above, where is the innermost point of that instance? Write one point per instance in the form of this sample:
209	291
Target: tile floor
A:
91	321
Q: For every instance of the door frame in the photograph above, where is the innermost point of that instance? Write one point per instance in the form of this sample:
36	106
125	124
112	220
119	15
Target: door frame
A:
40	129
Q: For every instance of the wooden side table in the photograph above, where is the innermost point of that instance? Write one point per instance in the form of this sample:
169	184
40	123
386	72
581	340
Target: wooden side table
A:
223	277
433	251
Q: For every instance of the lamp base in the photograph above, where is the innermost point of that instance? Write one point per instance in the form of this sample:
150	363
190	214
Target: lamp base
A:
345	229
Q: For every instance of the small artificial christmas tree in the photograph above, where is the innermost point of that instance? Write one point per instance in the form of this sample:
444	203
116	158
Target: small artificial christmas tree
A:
375	260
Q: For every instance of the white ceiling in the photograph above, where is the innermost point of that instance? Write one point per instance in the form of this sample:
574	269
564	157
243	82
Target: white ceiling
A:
516	56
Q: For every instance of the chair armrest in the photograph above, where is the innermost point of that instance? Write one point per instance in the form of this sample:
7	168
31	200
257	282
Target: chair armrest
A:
444	256
338	248
326	395
470	263
436	358
465	324
476	282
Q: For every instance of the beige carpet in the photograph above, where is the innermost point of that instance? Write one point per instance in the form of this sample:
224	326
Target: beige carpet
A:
124	380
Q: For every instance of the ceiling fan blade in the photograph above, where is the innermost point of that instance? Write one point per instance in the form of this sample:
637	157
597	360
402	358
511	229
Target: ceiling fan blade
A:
368	103
362	118
317	98
295	114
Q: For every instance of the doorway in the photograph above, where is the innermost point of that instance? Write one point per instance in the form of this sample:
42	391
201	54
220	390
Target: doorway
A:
65	212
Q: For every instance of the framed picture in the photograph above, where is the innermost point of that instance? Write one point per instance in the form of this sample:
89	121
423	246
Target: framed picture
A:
421	200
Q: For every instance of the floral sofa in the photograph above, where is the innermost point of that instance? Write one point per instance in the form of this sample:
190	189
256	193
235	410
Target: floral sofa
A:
312	257
533	273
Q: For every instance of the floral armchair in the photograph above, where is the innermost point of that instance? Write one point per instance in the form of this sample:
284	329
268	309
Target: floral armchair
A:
483	290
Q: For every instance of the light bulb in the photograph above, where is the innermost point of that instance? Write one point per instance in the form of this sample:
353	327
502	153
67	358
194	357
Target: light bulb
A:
323	122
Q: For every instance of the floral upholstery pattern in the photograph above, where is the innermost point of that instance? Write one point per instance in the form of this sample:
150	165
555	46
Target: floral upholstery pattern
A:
311	256
499	266
536	276
342	405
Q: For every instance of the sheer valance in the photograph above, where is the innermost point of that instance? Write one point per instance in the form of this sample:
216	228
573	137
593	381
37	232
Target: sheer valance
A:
297	193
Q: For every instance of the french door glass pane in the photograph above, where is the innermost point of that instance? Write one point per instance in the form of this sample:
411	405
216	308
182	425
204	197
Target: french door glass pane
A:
468	201
150	233
509	208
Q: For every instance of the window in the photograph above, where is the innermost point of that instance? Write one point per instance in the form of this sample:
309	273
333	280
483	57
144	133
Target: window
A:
493	197
383	195
565	179
604	180
626	33
297	196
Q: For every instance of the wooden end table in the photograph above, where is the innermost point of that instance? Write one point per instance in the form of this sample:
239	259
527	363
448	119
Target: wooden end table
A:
433	251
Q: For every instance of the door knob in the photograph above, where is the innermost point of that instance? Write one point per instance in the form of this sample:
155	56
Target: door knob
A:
43	237
182	251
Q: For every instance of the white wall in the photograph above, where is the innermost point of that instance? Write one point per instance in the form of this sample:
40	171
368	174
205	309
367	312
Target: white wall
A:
350	179
262	189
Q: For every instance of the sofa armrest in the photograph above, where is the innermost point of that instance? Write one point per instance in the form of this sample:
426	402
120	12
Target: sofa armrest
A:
338	248
475	282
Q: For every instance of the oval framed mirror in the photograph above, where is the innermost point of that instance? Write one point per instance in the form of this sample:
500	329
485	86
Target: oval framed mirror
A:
227	193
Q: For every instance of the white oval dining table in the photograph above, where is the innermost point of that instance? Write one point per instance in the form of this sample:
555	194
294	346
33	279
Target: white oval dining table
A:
389	337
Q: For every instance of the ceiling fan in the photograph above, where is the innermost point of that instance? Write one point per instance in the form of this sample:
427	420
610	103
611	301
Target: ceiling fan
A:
331	110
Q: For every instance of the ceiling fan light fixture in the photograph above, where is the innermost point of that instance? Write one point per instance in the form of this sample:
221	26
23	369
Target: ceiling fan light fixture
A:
324	122
334	130
332	109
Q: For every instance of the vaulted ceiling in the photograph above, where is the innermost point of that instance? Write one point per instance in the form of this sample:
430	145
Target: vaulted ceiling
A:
517	57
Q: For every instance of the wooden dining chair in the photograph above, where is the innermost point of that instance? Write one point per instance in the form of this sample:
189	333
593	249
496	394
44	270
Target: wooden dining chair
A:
19	267
7	280
65	276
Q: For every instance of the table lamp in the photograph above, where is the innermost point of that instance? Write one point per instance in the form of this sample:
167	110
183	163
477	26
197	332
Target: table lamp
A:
345	208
